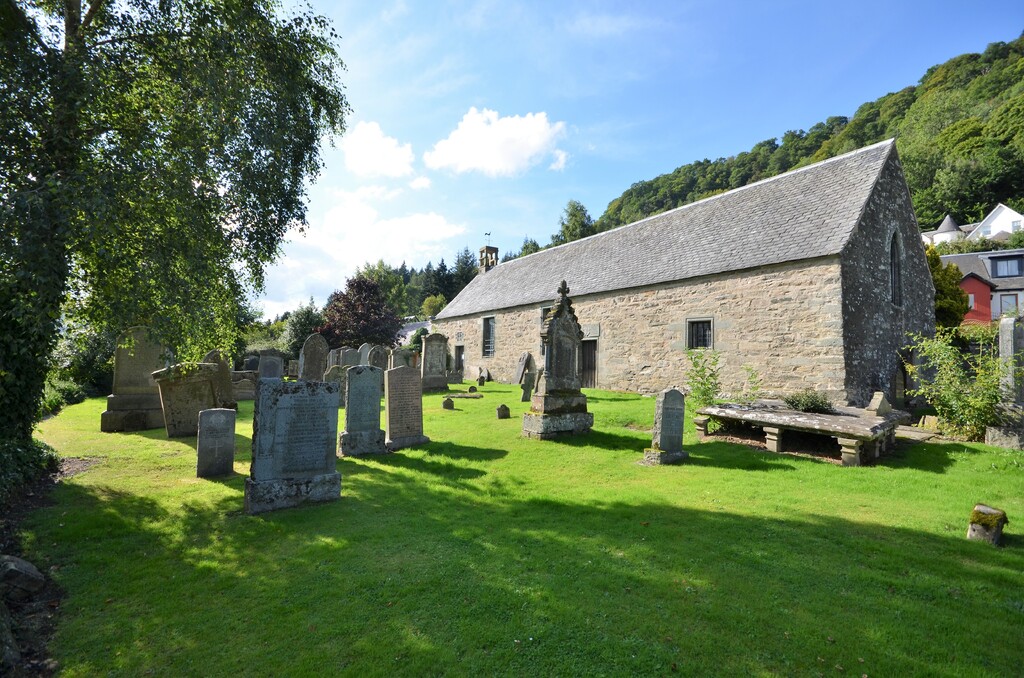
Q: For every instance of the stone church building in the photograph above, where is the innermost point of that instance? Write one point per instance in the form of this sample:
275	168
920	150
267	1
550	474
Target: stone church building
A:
814	278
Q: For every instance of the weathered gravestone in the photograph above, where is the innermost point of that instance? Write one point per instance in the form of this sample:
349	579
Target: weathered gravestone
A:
251	363
480	381
455	377
471	389
313	358
337	374
1010	431
364	353
559	407
503	412
986	524
523	368
223	391
333	358
244	388
434	370
294	439
271	366
215	448
667	440
378	357
363	434
529	379
186	389
400	357
134	404
403	406
293	368
448	404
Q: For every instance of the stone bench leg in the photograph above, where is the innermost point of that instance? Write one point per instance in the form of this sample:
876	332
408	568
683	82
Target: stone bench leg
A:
773	439
702	425
851	450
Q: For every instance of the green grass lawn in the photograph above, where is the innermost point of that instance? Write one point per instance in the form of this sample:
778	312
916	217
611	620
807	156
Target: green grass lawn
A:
486	553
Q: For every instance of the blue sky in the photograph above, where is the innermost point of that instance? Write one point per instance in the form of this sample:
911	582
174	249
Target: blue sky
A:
474	117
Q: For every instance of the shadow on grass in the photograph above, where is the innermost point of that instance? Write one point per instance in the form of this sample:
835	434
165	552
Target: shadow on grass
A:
720	454
442	469
920	456
605	440
438	580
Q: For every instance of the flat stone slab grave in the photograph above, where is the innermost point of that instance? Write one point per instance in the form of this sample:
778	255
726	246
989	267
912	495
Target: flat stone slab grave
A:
862	436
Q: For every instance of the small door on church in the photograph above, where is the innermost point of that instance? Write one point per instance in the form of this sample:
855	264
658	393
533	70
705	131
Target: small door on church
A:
590	364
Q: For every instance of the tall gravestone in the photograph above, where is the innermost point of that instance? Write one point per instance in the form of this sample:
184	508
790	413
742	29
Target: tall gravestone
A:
667	440
529	379
215	447
337	374
313	358
403	406
558	407
1009	432
523	368
364	353
378	357
223	390
434	369
186	389
134	404
294	429
333	358
363	434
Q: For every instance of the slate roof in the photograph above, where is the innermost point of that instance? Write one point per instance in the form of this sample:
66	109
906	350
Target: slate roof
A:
948	226
975	263
806	213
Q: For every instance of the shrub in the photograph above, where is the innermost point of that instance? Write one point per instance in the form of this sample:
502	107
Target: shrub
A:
751	386
809	400
704	377
57	393
964	387
22	462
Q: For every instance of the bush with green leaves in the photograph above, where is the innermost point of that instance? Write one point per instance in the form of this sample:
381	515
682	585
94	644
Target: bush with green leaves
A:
751	386
809	400
24	462
704	377
964	387
57	393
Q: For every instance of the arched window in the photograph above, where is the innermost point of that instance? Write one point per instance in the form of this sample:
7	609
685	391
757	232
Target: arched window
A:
895	285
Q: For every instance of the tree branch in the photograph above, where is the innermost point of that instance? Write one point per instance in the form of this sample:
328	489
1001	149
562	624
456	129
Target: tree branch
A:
9	9
94	7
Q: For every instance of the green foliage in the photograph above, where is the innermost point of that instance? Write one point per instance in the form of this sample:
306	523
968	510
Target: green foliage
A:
84	355
575	223
303	321
433	305
57	393
986	334
704	377
23	462
529	247
809	400
751	385
966	246
266	335
416	341
391	284
963	387
951	303
155	155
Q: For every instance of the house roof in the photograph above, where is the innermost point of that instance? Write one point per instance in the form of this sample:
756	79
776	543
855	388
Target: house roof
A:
973	264
947	226
806	213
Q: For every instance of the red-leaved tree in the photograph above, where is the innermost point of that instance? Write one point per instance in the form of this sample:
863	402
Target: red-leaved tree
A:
360	315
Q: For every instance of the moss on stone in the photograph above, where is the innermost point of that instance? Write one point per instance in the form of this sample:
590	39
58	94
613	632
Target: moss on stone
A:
990	521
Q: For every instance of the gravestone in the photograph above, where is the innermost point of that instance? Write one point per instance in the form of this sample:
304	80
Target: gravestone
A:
481	381
364	354
251	362
363	434
667	440
559	407
448	404
403	406
528	381
186	389
378	357
134	404
337	374
879	405
400	357
294	434
1009	433
215	448
471	389
434	370
244	389
271	366
455	376
223	390
986	524
525	360
503	412
293	368
313	358
333	358
350	357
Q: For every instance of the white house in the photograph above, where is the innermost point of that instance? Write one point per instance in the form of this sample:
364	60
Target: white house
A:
998	225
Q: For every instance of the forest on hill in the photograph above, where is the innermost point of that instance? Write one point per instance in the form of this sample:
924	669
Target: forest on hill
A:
959	133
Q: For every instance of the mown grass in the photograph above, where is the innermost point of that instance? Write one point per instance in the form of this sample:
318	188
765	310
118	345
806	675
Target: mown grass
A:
484	553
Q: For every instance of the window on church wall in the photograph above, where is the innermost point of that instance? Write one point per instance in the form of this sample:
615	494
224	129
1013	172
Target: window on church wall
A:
488	342
700	333
895	276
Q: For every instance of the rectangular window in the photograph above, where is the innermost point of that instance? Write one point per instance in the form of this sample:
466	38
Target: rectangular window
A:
699	334
970	301
1015	225
489	337
1007	304
1005	268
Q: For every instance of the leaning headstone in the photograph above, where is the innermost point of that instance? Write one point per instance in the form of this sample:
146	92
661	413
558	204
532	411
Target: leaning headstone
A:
559	407
485	374
293	368
667	441
363	434
271	366
987	524
503	412
215	448
313	358
186	389
294	434
523	367
364	353
528	381
448	404
134	404
223	391
337	374
403	405
435	362
251	362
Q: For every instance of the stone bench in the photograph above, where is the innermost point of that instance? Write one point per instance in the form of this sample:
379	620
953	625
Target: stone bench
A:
862	435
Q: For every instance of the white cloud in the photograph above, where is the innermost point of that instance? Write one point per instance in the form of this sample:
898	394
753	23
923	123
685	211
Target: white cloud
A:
350	234
558	164
370	153
419	183
494	145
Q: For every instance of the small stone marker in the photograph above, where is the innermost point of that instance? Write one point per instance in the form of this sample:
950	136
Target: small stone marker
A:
667	440
363	434
503	412
987	524
529	379
134	404
485	374
186	389
879	404
481	381
223	392
337	374
294	439
215	449
271	366
434	370
472	389
313	358
448	404
403	399
524	366
293	368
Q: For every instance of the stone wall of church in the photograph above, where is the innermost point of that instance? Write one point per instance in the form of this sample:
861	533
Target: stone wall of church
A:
785	321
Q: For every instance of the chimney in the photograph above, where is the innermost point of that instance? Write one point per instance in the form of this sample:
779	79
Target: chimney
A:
488	258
